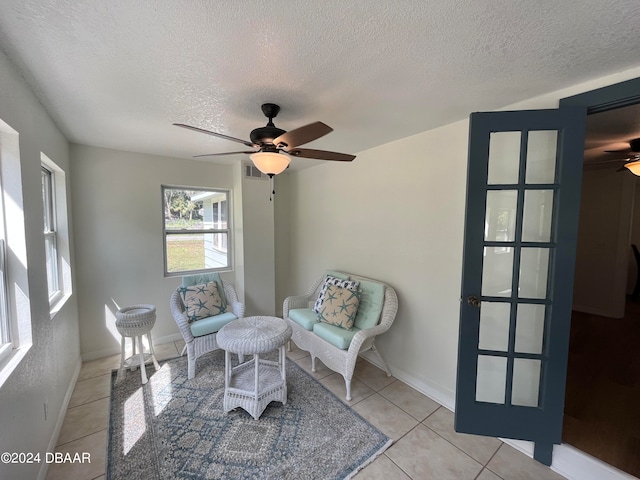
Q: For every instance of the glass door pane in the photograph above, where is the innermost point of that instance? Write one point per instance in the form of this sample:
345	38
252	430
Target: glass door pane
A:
494	326
504	157
541	156
491	379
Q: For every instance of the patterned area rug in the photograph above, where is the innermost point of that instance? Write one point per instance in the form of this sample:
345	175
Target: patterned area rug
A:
174	428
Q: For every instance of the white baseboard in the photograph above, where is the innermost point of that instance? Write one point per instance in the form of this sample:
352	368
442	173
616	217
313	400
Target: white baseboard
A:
88	356
436	392
568	461
577	465
60	420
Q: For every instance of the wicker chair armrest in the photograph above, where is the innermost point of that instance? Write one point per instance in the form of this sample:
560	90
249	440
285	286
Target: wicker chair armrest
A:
229	292
178	315
237	308
233	303
293	302
387	317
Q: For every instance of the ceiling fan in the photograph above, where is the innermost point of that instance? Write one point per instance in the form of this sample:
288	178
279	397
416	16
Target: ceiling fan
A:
632	162
272	143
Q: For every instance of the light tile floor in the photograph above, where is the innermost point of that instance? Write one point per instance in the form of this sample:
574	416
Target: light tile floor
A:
425	445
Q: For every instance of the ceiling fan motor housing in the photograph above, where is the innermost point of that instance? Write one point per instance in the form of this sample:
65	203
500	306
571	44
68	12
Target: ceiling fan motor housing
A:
265	135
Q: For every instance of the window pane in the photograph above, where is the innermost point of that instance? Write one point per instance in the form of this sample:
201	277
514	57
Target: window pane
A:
51	252
494	326
52	263
197	251
534	266
529	328
491	379
526	382
200	212
47	200
541	156
500	217
504	157
194	209
538	209
497	272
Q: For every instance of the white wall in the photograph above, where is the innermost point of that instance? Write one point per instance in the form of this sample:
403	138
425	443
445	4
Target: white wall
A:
259	249
396	213
118	232
603	250
50	366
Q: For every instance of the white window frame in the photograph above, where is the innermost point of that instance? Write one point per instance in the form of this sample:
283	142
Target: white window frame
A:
50	234
211	227
56	234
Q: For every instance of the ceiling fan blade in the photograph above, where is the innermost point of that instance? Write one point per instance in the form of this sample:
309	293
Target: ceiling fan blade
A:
302	135
215	134
223	153
320	154
624	150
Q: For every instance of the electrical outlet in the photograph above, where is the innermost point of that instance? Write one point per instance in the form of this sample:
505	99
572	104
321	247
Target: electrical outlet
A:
46	409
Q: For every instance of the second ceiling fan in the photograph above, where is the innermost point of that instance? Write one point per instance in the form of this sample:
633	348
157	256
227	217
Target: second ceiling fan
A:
632	160
272	143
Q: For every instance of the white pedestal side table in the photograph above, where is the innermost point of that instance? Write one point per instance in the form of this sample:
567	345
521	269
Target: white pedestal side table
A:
134	322
252	385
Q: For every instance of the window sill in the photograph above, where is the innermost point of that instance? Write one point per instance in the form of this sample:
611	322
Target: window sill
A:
58	303
11	362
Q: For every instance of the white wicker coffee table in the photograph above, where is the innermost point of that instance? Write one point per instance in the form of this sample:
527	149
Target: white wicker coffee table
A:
254	384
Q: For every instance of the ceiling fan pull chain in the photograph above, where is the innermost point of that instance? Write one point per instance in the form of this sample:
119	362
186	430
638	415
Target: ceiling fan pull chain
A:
272	187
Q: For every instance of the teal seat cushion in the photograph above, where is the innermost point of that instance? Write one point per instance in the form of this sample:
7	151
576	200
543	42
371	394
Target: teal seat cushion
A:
336	336
203	278
371	303
209	325
305	317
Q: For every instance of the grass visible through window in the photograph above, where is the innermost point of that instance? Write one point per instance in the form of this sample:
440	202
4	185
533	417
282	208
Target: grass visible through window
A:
185	255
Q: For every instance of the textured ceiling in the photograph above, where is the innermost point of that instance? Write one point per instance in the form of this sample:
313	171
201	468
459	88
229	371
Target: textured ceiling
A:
118	73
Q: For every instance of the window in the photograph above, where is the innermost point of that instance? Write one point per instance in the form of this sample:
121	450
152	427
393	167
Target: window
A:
56	233
196	230
48	203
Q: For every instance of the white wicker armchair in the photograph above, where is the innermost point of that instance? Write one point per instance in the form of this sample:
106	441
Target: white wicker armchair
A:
338	360
199	345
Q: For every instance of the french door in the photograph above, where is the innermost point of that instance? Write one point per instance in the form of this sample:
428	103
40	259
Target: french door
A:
523	195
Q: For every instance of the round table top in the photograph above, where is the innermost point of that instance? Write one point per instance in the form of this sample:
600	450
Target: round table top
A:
251	335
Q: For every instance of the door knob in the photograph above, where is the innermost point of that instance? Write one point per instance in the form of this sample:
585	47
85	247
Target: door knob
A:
473	301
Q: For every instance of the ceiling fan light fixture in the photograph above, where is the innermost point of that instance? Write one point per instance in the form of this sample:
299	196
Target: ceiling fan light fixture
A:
270	163
634	167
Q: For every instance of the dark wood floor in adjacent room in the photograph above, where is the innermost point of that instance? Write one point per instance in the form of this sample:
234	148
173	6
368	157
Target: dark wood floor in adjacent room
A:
602	404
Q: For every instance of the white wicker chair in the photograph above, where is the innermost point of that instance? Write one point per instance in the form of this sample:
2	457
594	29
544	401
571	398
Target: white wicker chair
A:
341	361
198	346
